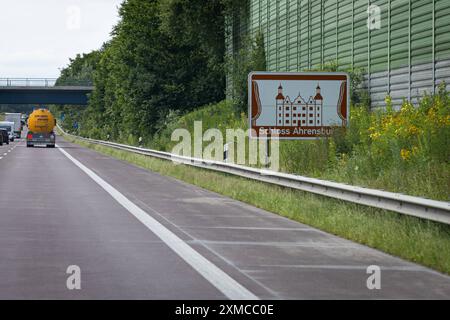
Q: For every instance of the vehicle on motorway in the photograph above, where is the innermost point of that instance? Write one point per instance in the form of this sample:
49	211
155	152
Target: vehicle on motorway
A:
16	118
40	129
4	137
9	127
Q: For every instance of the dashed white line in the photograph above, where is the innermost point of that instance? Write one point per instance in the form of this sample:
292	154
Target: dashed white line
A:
218	278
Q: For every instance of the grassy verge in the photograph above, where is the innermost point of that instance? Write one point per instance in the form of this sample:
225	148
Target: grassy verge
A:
405	151
413	239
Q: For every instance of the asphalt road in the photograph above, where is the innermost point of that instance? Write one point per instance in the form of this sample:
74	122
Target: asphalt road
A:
135	234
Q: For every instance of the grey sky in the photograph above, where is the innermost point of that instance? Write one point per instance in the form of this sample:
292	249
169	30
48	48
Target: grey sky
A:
37	37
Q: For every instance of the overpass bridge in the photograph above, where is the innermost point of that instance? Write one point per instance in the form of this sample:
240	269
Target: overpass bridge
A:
44	91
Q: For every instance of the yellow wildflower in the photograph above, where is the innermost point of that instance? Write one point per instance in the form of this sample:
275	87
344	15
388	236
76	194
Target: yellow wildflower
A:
413	130
375	135
405	154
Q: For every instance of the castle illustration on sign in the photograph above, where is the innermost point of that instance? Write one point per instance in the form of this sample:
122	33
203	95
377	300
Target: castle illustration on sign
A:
320	106
299	112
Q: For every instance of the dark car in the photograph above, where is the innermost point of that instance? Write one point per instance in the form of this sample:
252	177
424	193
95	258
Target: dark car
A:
4	137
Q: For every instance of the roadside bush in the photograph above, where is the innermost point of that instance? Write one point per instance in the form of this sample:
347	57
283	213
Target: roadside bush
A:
222	116
404	151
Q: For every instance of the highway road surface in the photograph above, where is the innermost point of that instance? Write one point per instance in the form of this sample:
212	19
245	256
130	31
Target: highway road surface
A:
135	234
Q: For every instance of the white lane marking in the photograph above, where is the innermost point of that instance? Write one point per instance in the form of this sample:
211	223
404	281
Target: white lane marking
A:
219	279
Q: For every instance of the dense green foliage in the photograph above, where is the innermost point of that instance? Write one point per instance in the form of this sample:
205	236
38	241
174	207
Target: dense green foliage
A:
251	57
80	70
164	56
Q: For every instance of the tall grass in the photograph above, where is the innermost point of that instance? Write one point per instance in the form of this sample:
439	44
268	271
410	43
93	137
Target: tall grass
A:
406	151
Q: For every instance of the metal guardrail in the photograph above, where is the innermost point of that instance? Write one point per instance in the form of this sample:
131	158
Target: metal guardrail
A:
413	206
40	82
27	82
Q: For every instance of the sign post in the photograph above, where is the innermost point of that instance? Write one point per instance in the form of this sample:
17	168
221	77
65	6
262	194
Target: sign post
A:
297	106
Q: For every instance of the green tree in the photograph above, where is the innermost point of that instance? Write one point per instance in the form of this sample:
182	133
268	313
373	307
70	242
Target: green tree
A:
251	57
164	55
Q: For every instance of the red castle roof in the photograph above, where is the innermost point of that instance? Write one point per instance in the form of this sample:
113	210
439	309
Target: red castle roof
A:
280	95
318	95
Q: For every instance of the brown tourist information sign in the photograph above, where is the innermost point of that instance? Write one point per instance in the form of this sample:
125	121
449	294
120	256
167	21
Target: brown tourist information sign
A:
298	105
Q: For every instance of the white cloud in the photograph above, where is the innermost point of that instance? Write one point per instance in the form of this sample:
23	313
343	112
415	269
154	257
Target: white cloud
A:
37	38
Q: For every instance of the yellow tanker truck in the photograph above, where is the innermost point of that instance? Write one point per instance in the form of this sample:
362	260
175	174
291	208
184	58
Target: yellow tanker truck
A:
40	128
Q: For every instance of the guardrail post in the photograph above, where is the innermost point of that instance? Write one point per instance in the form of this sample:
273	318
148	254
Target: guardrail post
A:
266	164
225	152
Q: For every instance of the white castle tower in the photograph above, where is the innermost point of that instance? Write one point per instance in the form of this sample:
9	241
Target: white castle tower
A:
280	106
318	103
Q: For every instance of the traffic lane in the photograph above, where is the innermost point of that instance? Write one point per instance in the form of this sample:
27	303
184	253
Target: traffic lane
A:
52	215
272	256
6	149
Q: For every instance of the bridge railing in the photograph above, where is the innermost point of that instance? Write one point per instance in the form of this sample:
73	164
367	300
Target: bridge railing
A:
40	82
